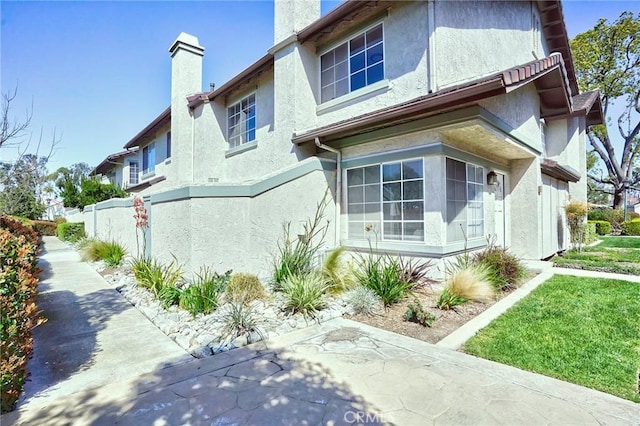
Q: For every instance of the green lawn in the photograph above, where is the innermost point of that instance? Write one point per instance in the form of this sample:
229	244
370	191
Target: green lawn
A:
613	254
620	242
581	330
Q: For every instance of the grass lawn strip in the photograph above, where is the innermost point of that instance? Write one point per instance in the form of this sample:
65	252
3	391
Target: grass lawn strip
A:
581	330
613	254
620	242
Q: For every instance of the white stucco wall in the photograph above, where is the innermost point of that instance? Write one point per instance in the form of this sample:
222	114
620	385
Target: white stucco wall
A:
116	224
520	109
476	39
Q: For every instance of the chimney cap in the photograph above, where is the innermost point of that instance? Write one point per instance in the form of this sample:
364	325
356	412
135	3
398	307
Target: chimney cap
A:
188	42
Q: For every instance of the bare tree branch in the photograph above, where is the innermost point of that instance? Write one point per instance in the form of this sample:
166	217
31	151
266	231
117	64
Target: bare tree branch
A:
12	129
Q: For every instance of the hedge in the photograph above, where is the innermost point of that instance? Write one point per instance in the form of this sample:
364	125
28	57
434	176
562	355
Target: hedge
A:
45	227
631	227
18	312
71	231
602	227
590	233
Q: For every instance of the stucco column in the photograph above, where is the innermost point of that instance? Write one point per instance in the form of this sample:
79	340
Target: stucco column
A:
525	207
186	79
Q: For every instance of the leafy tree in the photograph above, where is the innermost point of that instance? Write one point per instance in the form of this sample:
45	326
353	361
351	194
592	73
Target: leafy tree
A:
93	191
23	182
69	183
607	57
19	201
596	192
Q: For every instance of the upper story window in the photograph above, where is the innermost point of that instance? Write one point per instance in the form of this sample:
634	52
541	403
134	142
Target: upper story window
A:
133	172
355	64
149	158
168	144
465	200
387	197
242	121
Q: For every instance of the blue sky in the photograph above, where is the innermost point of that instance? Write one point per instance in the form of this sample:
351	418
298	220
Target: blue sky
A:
99	72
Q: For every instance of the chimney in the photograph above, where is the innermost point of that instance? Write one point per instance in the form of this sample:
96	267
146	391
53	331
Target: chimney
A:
292	16
186	66
186	79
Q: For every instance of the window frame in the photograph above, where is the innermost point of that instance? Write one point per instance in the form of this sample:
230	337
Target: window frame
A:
243	137
381	222
146	157
349	73
168	144
480	204
137	172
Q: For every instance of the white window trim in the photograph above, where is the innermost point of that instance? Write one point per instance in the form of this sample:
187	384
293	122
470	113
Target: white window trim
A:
380	233
372	89
137	173
446	213
235	100
148	172
361	91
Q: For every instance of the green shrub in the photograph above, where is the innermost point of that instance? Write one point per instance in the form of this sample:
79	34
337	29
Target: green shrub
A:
590	235
18	312
304	293
576	213
241	319
245	288
448	300
415	313
602	226
59	220
296	254
110	251
363	300
631	227
71	231
202	296
45	227
152	275
505	270
615	217
385	276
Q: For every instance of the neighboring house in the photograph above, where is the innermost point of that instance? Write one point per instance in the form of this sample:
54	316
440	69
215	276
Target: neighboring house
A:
434	125
121	169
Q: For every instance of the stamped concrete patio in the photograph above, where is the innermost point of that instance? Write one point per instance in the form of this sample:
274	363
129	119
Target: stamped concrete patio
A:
338	372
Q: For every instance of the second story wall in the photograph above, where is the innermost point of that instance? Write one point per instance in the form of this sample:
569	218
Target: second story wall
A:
476	39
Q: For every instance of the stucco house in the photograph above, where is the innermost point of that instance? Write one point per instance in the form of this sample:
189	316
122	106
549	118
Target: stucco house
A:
435	125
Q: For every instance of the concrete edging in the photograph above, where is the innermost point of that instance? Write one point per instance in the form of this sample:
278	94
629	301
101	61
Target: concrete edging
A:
458	338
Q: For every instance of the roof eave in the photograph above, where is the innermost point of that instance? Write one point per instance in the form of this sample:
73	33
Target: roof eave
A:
150	129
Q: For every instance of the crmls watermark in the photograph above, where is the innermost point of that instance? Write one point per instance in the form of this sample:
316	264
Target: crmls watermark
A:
363	417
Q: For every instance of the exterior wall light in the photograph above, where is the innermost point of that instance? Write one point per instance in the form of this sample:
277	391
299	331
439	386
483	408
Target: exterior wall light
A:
492	178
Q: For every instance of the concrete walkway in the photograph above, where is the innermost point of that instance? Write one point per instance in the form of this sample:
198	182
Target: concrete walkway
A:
339	372
93	336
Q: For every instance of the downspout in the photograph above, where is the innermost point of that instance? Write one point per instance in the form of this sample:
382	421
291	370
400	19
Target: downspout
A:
337	218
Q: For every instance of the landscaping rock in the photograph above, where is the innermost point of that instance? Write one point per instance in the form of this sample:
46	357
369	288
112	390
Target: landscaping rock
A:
200	335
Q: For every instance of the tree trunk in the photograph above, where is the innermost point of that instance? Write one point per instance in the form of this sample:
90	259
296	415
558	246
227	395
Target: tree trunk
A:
618	198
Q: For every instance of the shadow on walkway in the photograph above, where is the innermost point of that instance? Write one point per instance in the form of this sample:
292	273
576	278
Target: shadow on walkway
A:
67	343
245	386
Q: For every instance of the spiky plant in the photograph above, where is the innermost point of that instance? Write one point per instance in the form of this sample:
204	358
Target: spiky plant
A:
338	273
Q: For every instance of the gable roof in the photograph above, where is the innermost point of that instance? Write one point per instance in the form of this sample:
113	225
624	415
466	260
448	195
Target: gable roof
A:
591	104
547	74
149	132
253	71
